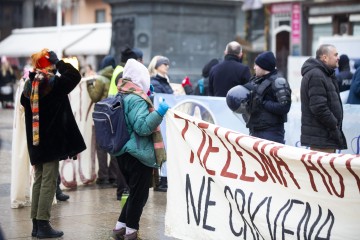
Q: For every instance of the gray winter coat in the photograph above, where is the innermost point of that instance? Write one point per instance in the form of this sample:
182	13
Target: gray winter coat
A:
321	107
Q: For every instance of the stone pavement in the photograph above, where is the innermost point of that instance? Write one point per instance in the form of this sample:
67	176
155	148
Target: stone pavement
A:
90	213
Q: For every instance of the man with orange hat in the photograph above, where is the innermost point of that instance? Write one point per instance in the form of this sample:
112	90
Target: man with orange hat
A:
51	131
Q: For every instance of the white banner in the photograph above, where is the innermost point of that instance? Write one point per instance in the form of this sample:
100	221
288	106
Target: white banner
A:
214	110
228	185
84	169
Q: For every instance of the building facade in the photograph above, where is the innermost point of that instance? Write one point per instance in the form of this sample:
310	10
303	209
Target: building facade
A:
190	32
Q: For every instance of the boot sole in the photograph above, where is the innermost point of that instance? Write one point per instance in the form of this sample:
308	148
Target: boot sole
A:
57	236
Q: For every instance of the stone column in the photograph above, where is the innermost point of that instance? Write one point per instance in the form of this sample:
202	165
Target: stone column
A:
188	32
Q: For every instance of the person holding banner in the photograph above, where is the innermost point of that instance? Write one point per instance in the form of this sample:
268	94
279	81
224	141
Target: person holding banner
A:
158	69
145	149
321	106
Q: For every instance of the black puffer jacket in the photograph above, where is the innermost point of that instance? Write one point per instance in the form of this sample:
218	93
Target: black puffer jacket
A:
321	107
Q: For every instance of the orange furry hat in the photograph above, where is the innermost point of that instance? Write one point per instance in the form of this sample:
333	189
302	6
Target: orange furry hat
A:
40	59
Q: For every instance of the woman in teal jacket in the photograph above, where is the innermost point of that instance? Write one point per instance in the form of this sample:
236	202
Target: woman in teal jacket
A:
145	149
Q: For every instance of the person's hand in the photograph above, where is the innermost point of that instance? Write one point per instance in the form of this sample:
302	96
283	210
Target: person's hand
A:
186	82
90	82
52	57
336	135
254	102
151	90
162	109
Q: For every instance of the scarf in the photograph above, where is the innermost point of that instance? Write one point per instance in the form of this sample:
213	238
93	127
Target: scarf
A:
126	86
32	90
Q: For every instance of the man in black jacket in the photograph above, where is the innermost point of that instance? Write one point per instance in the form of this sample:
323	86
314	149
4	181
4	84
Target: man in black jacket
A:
344	75
321	107
269	100
229	73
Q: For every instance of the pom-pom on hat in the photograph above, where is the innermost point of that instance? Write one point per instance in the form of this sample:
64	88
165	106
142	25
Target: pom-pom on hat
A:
266	61
40	59
162	60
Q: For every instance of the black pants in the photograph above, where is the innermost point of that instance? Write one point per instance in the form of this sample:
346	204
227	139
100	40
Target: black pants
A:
138	178
275	135
106	172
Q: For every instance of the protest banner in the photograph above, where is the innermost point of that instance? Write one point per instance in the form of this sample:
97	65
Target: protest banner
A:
228	185
211	109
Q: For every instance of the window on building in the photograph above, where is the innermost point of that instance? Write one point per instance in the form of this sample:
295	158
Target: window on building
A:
356	29
100	16
320	30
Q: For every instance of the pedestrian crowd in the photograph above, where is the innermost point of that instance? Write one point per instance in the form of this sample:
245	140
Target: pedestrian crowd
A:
263	99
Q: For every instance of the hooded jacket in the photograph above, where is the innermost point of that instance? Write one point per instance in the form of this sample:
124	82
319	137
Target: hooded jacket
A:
354	93
140	121
321	107
100	89
345	75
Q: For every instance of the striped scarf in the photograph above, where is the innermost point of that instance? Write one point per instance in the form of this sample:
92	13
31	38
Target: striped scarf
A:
127	86
42	76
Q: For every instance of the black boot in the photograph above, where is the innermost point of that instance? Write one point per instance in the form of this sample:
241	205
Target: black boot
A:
163	185
60	196
34	230
46	231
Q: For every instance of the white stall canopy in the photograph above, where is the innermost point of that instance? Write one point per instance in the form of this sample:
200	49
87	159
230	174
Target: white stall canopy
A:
86	39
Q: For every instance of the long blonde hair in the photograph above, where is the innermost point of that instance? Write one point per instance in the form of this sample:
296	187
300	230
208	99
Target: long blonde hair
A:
5	66
152	64
152	70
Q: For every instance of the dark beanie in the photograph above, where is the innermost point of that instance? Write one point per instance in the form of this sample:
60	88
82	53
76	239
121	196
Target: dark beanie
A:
206	69
126	54
344	62
108	61
138	53
266	61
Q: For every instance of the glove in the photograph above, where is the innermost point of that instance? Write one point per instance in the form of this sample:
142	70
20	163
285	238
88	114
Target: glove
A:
52	57
186	82
90	82
201	86
151	90
254	102
162	109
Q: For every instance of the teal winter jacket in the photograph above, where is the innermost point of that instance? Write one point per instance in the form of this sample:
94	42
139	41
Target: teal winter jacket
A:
140	124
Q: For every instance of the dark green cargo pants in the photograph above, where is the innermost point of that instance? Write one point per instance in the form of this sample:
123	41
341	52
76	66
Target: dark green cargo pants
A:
44	189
